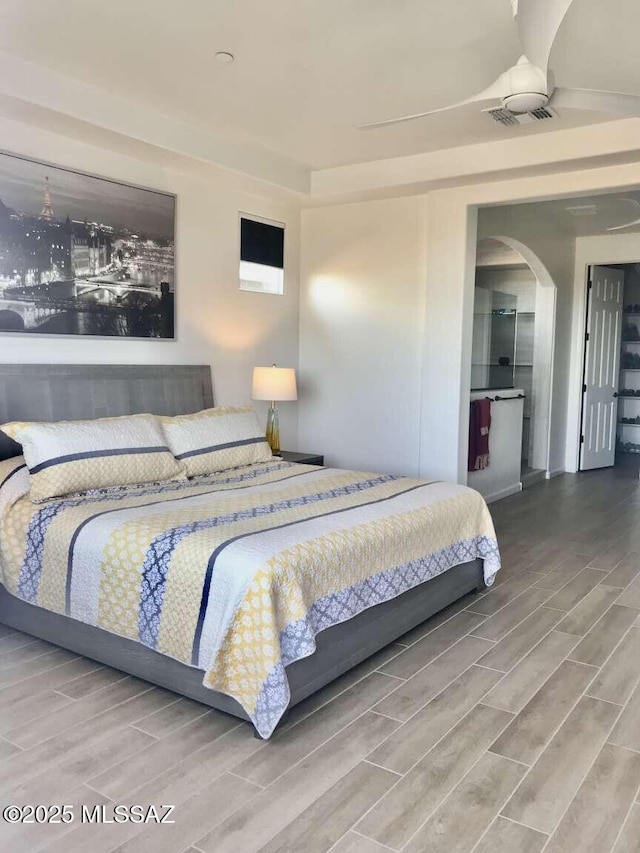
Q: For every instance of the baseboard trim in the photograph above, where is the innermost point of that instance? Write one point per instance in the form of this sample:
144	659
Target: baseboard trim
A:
503	493
556	473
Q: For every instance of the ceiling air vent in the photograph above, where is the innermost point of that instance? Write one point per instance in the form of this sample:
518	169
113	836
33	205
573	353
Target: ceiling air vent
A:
588	209
503	116
508	118
542	114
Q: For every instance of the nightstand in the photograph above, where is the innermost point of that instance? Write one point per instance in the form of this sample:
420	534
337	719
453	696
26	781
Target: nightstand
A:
301	458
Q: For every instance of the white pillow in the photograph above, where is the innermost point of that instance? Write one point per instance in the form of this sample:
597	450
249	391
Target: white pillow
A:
74	456
217	439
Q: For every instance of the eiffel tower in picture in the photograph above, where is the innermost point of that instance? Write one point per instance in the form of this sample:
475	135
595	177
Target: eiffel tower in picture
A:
47	209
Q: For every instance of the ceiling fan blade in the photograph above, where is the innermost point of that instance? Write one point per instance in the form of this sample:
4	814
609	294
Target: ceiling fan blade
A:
592	99
632	201
538	25
491	96
636	204
626	225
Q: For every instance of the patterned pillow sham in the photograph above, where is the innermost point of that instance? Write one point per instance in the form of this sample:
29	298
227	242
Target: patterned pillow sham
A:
217	439
75	456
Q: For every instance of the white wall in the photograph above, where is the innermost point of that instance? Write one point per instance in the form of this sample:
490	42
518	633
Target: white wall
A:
361	333
448	312
370	272
216	323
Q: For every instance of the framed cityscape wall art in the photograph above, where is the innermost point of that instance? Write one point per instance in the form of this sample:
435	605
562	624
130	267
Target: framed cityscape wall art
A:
83	255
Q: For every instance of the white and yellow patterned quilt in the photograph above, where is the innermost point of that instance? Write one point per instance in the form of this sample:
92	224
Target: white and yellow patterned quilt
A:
235	573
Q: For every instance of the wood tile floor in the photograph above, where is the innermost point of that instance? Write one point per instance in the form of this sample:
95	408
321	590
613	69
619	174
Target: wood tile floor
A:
508	724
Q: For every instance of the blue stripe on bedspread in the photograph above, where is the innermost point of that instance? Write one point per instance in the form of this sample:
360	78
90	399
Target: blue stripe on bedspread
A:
160	552
237	479
298	639
195	654
31	569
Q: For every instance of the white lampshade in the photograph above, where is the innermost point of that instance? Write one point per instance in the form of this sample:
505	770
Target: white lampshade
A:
274	383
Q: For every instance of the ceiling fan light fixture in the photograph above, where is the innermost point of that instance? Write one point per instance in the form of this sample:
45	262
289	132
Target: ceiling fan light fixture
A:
525	102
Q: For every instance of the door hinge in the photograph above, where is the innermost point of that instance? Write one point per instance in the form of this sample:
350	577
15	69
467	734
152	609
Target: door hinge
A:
581	439
584	388
586	337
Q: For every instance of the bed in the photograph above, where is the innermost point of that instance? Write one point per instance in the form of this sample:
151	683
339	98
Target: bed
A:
252	590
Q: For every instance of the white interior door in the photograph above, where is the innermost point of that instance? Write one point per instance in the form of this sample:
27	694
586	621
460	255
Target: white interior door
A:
602	365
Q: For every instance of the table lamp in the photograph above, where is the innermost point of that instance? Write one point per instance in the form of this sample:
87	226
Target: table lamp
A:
274	384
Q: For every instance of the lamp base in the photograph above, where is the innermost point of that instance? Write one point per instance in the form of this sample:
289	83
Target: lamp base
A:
273	430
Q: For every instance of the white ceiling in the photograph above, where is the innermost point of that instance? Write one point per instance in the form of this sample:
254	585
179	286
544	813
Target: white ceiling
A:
583	216
308	71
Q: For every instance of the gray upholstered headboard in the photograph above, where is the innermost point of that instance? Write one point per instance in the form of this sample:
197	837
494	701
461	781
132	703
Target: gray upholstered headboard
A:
58	392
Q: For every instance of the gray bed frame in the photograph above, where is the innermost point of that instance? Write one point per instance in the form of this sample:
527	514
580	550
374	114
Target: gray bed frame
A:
69	392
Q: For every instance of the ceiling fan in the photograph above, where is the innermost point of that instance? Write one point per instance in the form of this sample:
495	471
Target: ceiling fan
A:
636	205
528	85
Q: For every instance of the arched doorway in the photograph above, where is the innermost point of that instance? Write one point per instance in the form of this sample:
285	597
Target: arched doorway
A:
514	323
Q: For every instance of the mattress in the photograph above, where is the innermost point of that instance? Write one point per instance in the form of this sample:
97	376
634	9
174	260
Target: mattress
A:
236	573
